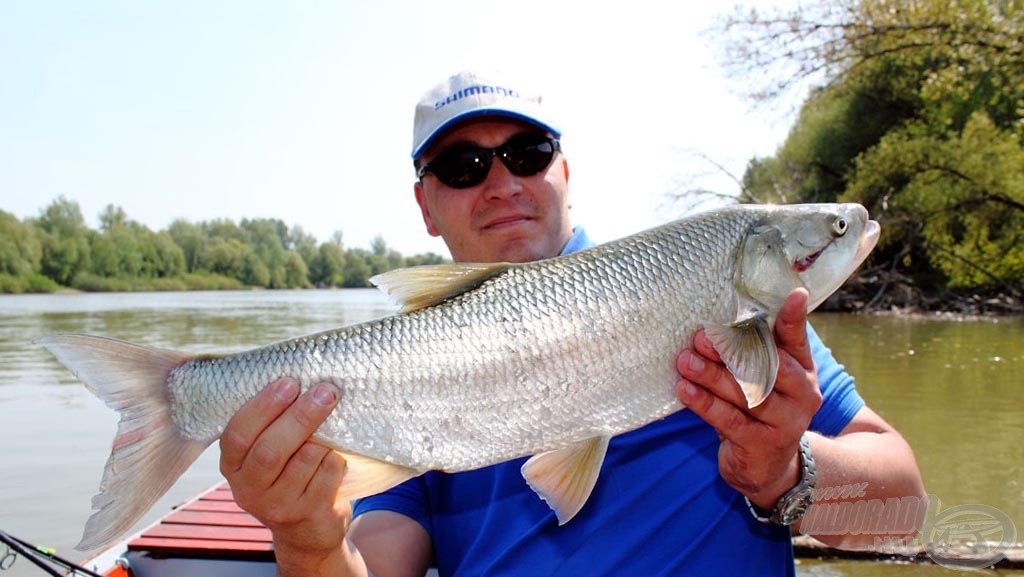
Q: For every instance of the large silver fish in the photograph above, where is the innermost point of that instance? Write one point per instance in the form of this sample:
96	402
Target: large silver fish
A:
488	362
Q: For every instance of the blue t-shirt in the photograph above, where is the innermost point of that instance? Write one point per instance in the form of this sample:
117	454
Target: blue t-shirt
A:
660	506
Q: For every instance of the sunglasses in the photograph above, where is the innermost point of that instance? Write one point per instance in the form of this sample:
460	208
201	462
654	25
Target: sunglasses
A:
465	166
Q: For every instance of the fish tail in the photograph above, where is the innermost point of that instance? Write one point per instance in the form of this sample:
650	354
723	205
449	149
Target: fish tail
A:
148	454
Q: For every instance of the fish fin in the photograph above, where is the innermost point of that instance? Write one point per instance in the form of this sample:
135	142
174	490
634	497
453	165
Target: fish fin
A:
565	478
419	287
148	453
365	476
748	351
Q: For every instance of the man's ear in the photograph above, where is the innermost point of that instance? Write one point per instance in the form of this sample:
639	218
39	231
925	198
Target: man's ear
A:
424	209
565	171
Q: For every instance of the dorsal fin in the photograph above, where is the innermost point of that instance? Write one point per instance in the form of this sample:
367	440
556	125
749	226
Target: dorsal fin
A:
419	287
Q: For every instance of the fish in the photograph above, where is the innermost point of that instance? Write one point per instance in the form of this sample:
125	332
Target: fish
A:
488	362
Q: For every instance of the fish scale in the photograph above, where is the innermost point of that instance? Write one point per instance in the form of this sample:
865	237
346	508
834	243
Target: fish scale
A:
489	362
568	337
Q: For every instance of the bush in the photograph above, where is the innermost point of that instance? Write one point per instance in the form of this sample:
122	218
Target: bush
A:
32	283
204	281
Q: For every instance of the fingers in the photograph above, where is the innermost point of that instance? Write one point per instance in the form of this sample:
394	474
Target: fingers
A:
267	439
709	389
723	414
255	416
791	328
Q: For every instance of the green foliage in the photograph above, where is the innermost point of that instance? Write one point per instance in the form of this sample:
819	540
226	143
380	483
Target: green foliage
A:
30	283
962	197
64	239
57	249
207	281
919	115
20	249
358	268
327	266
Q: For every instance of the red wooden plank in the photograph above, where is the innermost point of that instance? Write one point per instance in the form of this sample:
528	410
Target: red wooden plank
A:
214	507
219	495
213	525
208	532
230	519
192	547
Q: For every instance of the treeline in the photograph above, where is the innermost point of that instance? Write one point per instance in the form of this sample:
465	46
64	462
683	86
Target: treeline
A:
57	249
919	115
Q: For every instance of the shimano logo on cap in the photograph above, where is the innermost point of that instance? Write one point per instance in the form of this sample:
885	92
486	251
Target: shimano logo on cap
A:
473	90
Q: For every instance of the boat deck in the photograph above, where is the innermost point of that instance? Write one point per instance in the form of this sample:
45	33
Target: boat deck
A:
210	535
211	525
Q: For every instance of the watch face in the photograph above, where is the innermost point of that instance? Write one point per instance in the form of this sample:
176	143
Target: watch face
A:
796	505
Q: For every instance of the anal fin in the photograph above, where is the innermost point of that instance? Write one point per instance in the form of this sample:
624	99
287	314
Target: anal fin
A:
565	478
365	476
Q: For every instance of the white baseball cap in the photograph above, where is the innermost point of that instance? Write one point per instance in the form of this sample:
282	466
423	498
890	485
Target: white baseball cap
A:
471	94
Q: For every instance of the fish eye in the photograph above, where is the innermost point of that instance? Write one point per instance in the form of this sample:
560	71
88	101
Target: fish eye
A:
839	225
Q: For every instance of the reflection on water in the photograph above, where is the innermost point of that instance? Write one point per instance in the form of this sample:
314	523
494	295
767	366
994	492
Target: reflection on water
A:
952	388
56	436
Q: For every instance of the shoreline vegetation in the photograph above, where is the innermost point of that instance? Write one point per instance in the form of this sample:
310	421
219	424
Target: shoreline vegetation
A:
57	251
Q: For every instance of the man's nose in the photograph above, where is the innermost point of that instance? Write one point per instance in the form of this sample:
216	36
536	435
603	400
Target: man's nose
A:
501	183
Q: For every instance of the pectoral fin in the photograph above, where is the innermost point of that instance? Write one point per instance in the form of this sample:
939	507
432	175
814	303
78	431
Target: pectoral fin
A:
367	476
566	477
749	352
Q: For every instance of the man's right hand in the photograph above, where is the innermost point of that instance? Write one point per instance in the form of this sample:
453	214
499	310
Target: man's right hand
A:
289	483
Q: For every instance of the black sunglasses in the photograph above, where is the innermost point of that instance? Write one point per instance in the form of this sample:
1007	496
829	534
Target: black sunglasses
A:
465	166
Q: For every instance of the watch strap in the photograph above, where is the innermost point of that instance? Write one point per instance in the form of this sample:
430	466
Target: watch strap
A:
794	503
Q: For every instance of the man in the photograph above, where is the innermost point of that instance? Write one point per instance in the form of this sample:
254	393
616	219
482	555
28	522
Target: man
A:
707	490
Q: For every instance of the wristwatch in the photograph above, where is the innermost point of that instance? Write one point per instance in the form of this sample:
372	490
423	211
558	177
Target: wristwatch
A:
795	503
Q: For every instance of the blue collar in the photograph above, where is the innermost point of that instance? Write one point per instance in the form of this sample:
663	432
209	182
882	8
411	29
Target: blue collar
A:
578	241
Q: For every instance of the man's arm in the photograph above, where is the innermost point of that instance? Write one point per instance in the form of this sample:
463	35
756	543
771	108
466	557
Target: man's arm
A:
290	484
758	455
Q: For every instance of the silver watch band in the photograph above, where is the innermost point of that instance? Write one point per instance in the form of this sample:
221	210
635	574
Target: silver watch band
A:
792	506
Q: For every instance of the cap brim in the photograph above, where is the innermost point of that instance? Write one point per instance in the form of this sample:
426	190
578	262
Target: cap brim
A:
477	113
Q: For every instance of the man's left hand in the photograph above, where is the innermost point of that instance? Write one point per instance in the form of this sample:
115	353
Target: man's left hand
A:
758	455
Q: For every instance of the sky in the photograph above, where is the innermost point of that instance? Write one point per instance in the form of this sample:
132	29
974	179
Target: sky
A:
302	110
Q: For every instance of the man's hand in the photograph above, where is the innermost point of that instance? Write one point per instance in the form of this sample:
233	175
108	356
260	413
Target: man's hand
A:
278	475
758	455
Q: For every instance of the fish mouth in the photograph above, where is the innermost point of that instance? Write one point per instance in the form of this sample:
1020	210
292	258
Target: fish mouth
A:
868	240
808	261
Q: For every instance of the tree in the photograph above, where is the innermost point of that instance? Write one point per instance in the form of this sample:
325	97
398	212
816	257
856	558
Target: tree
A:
20	249
112	217
225	256
327	266
917	112
302	242
253	272
64	240
296	274
357	271
962	198
190	239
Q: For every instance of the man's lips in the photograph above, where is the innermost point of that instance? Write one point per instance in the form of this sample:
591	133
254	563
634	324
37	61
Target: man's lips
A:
505	221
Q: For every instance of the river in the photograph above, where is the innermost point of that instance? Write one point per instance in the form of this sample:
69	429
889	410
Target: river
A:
952	388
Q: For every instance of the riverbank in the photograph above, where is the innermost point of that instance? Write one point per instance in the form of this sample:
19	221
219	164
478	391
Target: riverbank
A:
891	292
1005	556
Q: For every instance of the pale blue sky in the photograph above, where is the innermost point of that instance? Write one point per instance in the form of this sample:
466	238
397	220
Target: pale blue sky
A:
302	110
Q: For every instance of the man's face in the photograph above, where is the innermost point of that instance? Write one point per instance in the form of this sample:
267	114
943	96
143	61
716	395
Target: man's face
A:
506	217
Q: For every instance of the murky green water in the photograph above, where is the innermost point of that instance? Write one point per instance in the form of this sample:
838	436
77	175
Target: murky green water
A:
953	388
